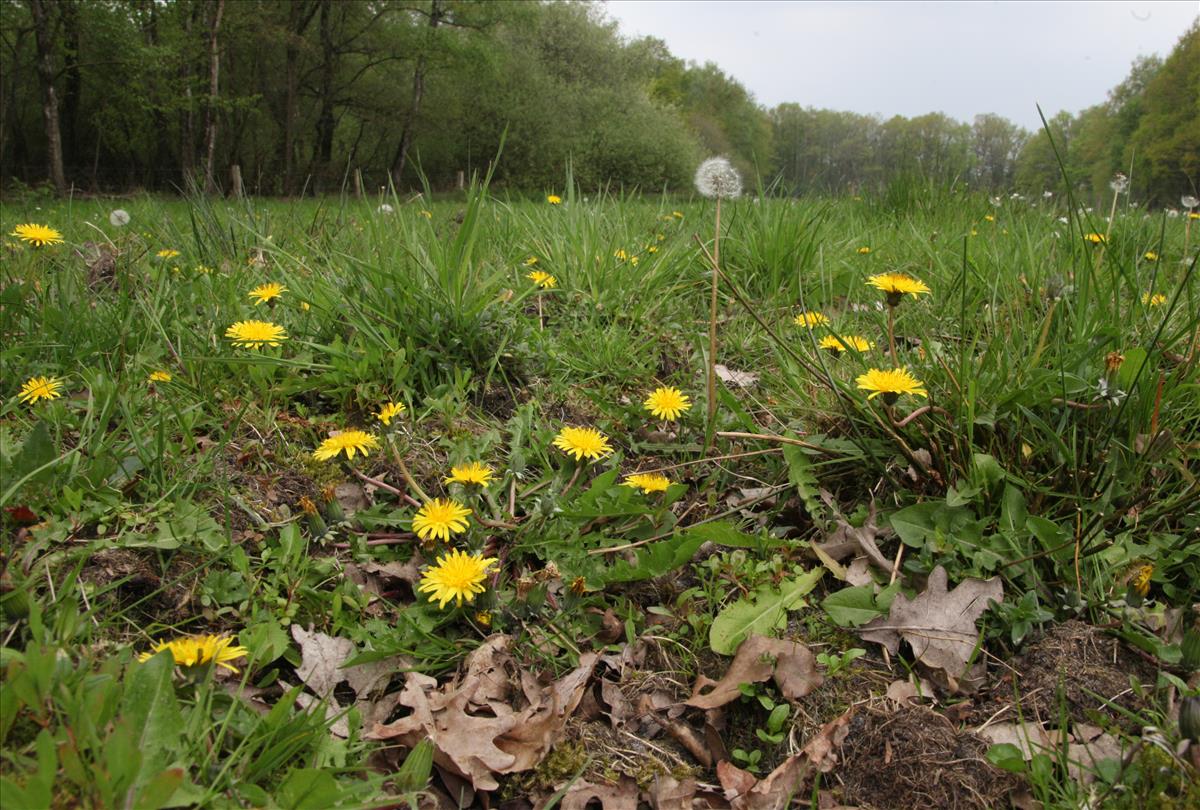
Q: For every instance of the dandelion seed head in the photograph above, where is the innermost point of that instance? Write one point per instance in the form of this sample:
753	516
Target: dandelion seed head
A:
119	218
717	179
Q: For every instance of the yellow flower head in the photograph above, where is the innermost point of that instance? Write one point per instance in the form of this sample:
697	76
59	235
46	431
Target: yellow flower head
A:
203	270
1141	580
426	214
440	518
810	319
1095	238
159	376
647	482
652	248
896	285
543	280
349	441
167	253
582	443
531	261
554	199
864	250
989	218
1156	300
457	577
37	235
677	214
389	412
1150	256
191	651
473	473
267	292
621	255
36	388
855	342
256	334
484	617
667	403
890	384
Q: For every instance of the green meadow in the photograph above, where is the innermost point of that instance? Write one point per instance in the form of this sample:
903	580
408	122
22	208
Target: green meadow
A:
382	636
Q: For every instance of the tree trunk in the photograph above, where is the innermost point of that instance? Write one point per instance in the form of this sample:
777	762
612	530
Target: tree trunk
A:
72	85
187	120
210	117
325	120
436	13
300	14
45	69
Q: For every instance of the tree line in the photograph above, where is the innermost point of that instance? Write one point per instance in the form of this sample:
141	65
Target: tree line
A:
315	96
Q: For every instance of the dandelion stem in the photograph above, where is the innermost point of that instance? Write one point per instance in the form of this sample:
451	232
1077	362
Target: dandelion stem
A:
541	322
571	483
405	474
892	334
712	332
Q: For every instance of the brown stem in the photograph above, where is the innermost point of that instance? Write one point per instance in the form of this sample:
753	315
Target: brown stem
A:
571	483
924	409
399	493
769	437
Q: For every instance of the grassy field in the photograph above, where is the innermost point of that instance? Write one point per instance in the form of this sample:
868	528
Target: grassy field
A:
178	483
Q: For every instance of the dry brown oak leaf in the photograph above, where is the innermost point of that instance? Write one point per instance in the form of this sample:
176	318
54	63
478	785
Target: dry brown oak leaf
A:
476	731
758	658
938	624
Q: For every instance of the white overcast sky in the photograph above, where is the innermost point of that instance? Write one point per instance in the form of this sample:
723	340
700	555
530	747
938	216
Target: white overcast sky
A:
910	58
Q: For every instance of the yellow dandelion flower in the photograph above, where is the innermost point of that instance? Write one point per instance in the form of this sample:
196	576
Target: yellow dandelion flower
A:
473	473
667	403
810	319
652	248
621	255
440	518
167	253
890	384
256	334
457	577
989	218
159	376
864	250
267	292
1095	238
1156	300
647	482
349	441
1193	215
855	342
582	443
426	214
203	270
896	285
677	214
191	651
484	617
36	388
37	235
531	261
1150	256
554	199
389	412
543	280
633	260
1141	580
